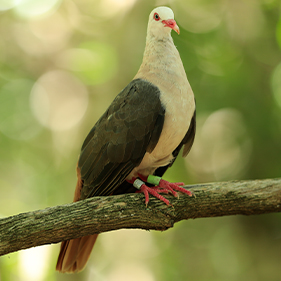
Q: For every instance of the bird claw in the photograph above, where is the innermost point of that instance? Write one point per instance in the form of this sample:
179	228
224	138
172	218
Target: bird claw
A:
173	187
154	191
163	187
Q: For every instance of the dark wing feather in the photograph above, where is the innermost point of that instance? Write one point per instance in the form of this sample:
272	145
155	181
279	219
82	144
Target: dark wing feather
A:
189	137
187	141
129	128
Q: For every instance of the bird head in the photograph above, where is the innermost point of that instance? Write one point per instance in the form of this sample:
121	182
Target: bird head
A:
161	22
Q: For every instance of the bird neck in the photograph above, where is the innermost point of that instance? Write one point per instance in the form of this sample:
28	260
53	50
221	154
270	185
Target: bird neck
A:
160	56
158	45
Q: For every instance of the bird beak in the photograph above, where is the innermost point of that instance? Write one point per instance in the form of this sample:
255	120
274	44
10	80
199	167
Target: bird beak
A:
172	24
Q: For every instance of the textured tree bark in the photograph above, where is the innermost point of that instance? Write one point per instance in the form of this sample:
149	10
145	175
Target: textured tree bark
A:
101	214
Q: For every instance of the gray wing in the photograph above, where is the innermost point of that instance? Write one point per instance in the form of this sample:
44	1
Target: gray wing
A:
129	128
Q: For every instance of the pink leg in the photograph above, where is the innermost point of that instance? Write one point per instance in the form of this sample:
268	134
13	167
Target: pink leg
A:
174	186
163	187
154	192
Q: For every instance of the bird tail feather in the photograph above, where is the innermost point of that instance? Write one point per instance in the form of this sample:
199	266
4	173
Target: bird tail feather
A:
75	253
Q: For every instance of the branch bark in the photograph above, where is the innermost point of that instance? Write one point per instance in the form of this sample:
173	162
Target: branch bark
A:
102	214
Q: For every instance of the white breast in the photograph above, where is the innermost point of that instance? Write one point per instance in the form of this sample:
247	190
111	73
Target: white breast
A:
162	66
177	120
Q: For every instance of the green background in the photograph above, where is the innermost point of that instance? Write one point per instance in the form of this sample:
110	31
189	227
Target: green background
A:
63	62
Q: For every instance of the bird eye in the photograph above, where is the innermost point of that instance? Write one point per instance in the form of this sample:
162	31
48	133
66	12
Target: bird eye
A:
156	17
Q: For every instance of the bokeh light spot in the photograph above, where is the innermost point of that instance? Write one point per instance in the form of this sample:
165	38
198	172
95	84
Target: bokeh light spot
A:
43	36
8	4
33	263
93	63
59	100
51	30
195	17
111	7
222	147
34	8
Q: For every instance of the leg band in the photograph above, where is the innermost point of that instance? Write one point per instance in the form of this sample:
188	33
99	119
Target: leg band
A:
138	183
153	179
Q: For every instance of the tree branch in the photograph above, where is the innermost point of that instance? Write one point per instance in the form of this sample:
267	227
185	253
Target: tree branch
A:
101	214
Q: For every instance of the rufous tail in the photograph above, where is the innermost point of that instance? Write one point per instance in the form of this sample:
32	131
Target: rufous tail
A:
75	253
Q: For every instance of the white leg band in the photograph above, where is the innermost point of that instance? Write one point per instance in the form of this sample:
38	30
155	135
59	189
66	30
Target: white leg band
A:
138	183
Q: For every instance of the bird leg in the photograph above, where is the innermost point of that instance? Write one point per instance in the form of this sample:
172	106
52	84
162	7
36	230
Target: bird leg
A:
160	186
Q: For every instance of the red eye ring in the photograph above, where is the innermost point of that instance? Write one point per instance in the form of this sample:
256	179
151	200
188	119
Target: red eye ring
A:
156	17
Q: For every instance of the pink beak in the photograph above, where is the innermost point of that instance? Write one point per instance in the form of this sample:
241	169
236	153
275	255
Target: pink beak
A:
172	24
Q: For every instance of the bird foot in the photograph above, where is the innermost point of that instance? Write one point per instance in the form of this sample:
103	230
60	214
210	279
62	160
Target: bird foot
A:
162	186
154	191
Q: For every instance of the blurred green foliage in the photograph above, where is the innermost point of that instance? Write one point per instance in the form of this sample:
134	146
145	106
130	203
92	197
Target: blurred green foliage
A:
63	62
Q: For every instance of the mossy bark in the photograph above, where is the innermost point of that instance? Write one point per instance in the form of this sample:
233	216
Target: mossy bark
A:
102	214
